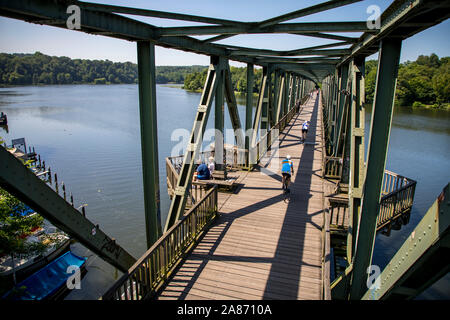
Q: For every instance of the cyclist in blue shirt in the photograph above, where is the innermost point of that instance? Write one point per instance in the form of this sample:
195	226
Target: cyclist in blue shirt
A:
287	168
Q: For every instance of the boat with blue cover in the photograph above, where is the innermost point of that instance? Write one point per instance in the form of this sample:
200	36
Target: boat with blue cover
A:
49	283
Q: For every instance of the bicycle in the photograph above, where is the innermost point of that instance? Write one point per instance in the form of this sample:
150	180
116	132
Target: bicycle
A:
286	190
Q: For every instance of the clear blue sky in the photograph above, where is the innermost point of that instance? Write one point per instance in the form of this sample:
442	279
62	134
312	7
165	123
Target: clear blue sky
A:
19	36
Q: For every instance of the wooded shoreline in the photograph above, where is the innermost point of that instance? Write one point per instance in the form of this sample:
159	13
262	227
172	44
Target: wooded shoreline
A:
424	83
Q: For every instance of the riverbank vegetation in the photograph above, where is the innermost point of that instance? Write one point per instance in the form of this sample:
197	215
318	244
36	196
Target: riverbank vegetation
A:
196	80
421	83
38	68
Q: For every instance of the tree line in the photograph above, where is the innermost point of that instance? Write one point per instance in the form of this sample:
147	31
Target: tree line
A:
424	82
196	80
38	68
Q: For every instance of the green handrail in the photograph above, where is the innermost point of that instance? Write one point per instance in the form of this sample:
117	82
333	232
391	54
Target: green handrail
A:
152	270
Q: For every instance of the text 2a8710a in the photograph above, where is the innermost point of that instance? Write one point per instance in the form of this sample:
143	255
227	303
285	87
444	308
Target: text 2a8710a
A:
246	309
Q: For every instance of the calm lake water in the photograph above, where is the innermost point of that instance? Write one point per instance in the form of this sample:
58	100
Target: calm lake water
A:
90	136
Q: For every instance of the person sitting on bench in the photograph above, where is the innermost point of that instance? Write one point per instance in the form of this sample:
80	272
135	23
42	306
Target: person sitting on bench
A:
203	172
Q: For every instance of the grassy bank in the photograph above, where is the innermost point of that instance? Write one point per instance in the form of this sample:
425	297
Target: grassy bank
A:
442	106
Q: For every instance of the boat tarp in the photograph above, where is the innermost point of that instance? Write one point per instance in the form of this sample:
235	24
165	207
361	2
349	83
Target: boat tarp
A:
26	210
47	280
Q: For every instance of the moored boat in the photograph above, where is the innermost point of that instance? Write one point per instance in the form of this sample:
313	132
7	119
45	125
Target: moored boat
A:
50	282
56	241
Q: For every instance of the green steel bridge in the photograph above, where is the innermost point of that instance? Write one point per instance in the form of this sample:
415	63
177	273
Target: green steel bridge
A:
357	198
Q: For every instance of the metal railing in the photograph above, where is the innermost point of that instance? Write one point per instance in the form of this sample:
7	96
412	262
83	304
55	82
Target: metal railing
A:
152	270
196	191
332	167
397	197
338	212
234	157
265	142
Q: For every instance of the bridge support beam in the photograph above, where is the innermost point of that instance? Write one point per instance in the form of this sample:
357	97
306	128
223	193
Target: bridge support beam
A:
334	107
280	98
232	107
258	121
423	258
265	101
270	82
149	139
249	110
276	94
178	204
28	188
380	128
342	104
219	154
286	94
356	151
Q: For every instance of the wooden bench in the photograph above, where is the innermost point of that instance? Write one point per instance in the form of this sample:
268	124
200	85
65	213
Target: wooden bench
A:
220	179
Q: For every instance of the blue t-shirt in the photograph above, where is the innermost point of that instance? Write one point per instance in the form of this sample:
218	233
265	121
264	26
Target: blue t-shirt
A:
305	126
203	172
286	166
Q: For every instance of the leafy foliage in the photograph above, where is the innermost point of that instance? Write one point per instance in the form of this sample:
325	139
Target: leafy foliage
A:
38	68
425	81
14	226
196	80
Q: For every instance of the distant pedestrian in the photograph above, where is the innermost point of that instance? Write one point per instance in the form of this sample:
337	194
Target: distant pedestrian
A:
305	127
211	165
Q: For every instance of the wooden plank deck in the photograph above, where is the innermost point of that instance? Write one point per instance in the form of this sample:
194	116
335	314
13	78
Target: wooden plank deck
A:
262	247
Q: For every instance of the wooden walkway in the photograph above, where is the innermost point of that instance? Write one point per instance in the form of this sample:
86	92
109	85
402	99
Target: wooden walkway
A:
262	247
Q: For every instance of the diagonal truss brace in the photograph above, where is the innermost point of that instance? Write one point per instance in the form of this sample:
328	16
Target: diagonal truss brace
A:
259	109
28	188
422	259
187	170
232	108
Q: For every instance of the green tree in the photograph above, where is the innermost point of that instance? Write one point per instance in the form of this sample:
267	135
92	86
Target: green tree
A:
14	227
441	83
421	82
